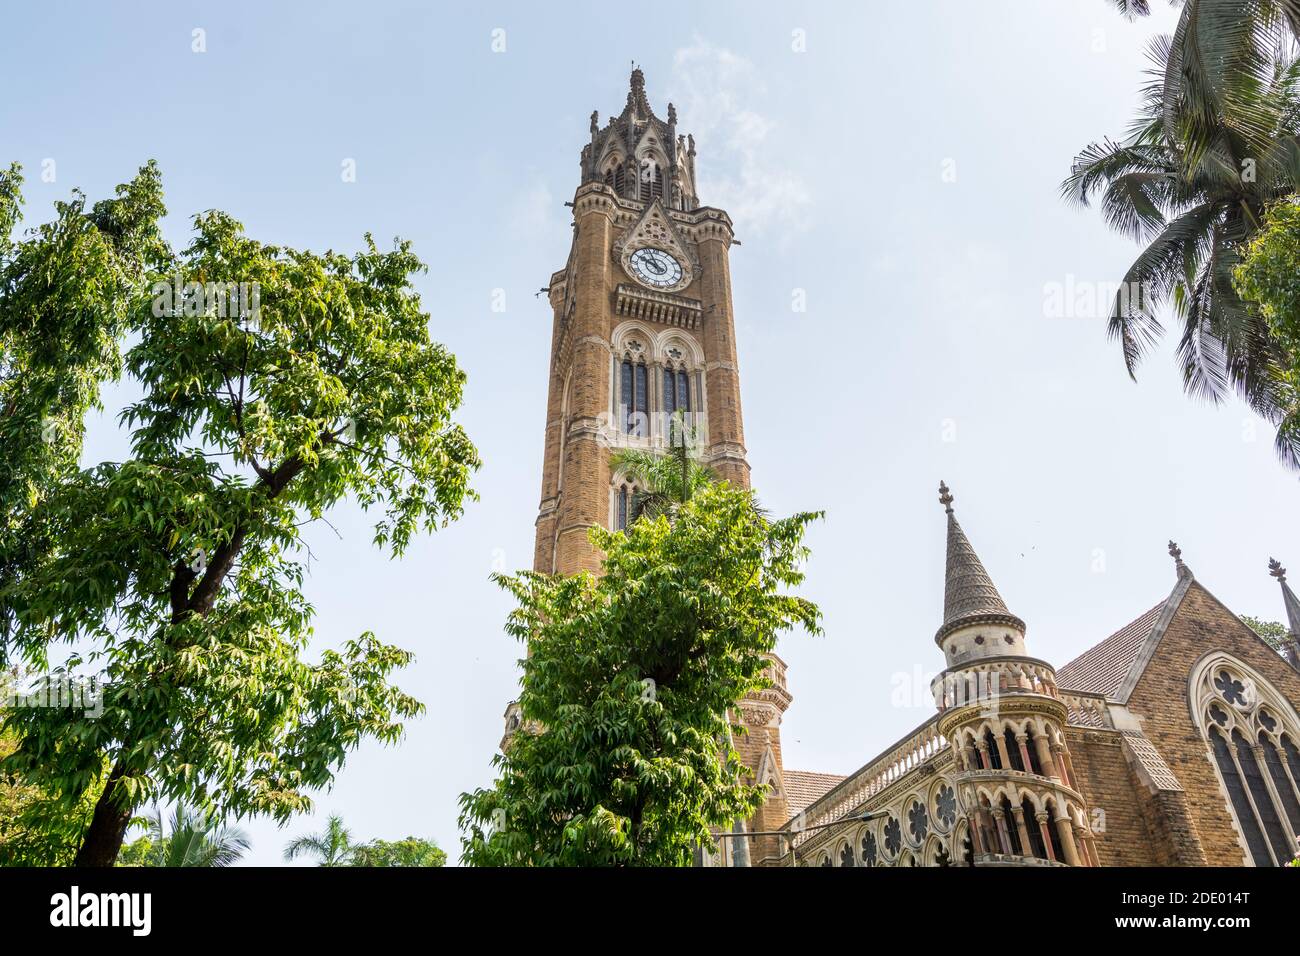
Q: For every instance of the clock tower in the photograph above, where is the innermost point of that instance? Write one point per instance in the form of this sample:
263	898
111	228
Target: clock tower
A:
644	329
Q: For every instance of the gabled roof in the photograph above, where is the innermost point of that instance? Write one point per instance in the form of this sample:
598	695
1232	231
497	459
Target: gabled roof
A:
803	788
1102	668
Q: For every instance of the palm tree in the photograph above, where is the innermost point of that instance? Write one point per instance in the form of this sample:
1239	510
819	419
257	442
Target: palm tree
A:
668	480
334	847
1194	207
1220	52
193	840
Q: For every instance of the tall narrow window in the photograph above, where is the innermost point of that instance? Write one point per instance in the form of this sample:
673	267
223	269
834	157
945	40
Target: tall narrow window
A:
640	410
683	391
621	517
627	403
620	180
670	392
1281	782
1263	800
1237	796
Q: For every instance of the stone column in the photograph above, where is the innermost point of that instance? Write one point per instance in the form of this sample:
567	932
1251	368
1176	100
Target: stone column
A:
1026	848
1021	742
999	820
1045	757
1066	832
1041	818
1001	741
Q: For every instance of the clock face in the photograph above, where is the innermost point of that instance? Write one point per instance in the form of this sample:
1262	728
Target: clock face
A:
655	268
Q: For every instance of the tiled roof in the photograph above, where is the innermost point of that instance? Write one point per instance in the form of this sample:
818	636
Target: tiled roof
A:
1102	668
803	788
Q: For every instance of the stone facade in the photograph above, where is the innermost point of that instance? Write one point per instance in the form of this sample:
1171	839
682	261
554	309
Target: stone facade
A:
637	194
1131	770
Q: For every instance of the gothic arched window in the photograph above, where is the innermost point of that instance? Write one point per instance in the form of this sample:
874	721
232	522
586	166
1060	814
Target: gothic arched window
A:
1251	729
633	397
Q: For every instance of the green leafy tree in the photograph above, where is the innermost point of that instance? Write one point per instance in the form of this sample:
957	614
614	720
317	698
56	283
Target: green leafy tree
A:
1193	207
668	480
1273	632
176	573
411	851
192	840
332	847
1269	279
625	756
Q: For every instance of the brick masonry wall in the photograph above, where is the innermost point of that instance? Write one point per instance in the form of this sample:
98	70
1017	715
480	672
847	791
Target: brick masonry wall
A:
1160	700
1107	784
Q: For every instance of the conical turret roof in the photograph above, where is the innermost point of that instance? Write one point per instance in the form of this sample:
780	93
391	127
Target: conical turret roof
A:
969	595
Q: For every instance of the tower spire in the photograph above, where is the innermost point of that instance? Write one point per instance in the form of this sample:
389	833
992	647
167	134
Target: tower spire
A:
969	595
1292	604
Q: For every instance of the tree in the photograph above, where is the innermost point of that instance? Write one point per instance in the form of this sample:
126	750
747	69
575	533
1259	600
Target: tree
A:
333	847
1268	278
1220	55
276	383
668	480
625	756
411	851
192	840
1194	204
1273	633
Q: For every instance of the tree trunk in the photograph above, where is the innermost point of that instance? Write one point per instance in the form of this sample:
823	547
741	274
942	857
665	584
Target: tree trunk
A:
103	840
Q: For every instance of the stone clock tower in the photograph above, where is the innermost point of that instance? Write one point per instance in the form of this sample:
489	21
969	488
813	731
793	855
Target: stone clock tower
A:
644	329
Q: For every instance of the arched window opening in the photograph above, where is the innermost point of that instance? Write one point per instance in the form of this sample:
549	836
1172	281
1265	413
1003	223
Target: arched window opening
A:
1263	800
1058	851
1250	729
1013	831
1281	782
1035	765
1013	749
652	180
633	397
1237	796
1036	847
991	747
967	851
624	505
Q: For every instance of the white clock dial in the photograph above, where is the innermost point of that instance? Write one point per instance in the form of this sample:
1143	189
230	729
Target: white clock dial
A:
655	268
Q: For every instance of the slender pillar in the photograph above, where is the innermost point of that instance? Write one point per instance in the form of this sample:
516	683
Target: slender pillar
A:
1045	757
1026	848
1041	818
1021	741
1066	833
1004	837
1001	741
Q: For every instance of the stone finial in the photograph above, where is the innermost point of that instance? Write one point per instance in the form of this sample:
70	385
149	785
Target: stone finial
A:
1176	553
1275	568
945	497
672	115
595	122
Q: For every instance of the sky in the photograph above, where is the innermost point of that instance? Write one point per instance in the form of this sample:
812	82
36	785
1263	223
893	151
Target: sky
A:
894	167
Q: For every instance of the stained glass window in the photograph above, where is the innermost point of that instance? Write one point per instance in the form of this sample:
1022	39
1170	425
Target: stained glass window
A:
670	392
683	391
1237	795
1263	800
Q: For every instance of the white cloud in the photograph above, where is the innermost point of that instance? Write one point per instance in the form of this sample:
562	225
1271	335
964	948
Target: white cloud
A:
714	90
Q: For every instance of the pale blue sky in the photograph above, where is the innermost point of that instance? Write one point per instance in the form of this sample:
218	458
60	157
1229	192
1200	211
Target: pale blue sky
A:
926	350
